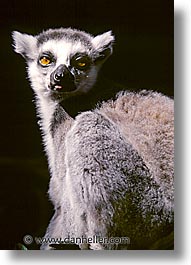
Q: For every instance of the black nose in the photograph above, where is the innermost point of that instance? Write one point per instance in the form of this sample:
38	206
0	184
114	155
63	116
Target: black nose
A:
62	79
58	75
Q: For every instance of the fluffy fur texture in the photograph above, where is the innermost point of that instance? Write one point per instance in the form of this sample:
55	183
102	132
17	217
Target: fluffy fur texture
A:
111	167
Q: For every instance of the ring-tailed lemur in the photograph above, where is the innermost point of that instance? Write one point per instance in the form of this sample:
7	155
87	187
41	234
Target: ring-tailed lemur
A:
111	167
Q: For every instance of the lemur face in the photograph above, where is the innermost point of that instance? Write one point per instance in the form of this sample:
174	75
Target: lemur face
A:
66	66
63	62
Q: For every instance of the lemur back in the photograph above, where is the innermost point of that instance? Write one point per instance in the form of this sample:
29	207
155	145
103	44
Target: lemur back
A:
111	167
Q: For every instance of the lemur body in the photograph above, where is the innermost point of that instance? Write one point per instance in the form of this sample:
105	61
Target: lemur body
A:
111	167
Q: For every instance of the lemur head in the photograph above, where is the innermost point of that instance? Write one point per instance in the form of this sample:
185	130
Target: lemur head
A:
63	62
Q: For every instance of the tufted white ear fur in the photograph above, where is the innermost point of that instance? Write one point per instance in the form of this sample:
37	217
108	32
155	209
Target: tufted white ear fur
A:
24	44
103	44
102	41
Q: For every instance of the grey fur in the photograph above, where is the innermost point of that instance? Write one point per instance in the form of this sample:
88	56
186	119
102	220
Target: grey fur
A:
112	167
68	33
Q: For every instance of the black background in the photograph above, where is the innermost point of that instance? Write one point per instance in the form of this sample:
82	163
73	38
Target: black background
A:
142	58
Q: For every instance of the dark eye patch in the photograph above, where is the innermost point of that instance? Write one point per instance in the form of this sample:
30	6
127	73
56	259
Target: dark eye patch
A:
81	62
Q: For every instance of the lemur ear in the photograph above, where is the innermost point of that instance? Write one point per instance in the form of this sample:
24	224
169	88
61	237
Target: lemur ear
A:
24	44
103	45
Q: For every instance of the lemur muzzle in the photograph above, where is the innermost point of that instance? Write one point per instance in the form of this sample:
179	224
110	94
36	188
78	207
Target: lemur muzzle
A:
62	80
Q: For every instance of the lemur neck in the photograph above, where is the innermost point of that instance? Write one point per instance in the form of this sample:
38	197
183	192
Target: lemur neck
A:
54	123
51	114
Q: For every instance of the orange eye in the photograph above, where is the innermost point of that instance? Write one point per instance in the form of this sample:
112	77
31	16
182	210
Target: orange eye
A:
81	64
45	61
